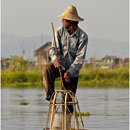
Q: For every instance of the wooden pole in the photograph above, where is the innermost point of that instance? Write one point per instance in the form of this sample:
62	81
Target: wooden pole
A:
65	117
62	84
77	123
63	109
80	115
48	116
53	110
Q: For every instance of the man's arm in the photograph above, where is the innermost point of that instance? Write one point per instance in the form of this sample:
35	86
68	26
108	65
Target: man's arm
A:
80	56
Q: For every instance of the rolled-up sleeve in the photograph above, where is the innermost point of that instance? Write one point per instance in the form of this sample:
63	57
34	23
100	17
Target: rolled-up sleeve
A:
80	56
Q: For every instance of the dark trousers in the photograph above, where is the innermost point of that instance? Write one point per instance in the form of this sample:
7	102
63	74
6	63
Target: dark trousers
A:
50	74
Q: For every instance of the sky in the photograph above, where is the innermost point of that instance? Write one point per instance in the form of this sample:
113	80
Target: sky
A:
104	19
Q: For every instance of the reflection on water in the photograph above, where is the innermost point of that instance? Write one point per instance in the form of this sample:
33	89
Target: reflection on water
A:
108	109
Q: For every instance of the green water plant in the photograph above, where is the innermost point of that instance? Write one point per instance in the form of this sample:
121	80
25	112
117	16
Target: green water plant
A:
83	113
24	103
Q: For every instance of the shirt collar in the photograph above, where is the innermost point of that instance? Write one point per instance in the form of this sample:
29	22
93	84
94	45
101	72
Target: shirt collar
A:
75	33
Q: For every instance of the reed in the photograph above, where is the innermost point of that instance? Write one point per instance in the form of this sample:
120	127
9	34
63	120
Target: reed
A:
94	77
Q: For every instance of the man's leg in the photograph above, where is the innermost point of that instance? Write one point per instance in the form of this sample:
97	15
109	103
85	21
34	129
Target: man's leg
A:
72	85
49	75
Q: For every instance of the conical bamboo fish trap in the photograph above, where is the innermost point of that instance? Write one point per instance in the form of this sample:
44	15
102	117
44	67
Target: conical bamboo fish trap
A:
59	117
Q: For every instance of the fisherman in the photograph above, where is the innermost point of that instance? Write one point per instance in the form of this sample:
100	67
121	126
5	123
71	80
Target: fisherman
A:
71	45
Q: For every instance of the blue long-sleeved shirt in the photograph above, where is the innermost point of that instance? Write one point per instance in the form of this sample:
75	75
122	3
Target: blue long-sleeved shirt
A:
73	47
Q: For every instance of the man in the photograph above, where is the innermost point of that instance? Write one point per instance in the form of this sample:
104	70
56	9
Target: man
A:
72	44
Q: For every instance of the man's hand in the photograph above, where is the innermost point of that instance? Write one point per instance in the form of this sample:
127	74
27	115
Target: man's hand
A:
67	76
56	63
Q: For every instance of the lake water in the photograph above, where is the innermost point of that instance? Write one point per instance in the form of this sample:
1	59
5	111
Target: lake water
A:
109	109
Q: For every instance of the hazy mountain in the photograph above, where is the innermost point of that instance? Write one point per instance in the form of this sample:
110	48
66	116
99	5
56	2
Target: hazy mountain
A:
13	45
102	47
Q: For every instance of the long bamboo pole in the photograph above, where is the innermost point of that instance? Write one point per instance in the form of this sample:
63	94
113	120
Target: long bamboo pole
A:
77	123
65	117
48	116
53	110
80	115
62	84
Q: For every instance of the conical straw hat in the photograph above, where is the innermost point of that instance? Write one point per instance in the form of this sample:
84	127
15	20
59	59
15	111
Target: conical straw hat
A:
70	14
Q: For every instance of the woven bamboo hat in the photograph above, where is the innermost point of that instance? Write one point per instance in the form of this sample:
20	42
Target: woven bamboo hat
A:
70	14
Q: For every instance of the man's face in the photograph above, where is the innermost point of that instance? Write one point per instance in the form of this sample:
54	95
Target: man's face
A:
66	23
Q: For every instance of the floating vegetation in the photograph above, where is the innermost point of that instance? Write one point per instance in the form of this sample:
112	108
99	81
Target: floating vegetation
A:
83	113
24	103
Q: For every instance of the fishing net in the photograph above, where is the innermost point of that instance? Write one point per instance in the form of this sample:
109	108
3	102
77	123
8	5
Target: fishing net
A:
60	116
